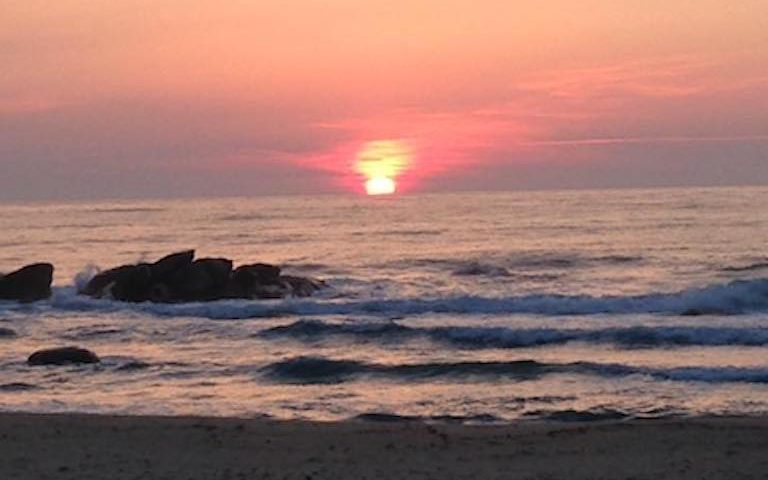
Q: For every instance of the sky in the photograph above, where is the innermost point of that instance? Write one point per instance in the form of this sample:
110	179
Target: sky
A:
178	98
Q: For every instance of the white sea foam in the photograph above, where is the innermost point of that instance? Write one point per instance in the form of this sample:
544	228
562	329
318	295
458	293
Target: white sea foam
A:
739	297
85	275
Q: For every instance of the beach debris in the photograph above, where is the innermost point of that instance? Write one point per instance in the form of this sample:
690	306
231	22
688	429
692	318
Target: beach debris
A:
28	284
62	356
178	277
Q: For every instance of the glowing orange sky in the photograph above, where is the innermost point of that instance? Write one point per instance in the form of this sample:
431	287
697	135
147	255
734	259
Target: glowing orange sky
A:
173	97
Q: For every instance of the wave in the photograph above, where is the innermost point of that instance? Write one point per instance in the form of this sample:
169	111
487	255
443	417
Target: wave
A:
308	267
514	263
385	417
320	370
407	232
599	414
7	333
481	269
90	332
245	217
127	209
502	337
17	387
738	297
568	416
323	370
763	265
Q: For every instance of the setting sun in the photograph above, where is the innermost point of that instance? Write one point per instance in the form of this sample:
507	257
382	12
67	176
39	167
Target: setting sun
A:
380	186
380	162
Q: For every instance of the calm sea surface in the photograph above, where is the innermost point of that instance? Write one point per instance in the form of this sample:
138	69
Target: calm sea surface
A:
480	307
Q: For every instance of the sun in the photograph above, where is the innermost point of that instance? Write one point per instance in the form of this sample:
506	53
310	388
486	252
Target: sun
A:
380	186
380	162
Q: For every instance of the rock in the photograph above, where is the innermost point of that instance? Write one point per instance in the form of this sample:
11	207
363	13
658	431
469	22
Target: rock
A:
257	272
245	286
269	291
180	278
258	280
166	266
219	269
62	356
101	284
204	279
160	293
134	284
28	284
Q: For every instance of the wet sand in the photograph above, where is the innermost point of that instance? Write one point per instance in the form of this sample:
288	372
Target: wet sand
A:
109	447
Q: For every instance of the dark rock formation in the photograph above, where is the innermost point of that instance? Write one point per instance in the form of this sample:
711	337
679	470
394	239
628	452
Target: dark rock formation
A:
133	285
258	272
258	280
164	268
104	280
62	356
28	284
204	279
265	281
180	278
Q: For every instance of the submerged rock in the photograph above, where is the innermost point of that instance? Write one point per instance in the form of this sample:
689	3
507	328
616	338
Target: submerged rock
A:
180	278
62	356
28	284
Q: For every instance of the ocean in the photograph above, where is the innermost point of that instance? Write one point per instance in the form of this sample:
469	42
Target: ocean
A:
471	307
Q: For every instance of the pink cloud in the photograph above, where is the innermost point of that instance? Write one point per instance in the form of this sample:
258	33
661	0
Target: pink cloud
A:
439	141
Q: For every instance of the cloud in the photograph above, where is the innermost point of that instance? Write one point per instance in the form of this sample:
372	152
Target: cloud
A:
140	95
649	140
661	77
650	102
439	142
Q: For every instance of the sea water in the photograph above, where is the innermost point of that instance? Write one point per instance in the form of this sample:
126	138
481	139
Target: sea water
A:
468	307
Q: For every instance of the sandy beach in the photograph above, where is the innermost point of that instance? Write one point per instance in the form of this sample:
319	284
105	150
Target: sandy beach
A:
108	447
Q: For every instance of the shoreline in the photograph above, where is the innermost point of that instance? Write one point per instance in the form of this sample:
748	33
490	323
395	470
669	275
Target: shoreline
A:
92	446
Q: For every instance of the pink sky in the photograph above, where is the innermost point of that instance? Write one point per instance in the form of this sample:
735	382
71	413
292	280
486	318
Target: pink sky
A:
178	98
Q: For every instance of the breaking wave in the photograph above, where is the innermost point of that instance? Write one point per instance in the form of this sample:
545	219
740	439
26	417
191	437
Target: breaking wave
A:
518	262
502	337
763	265
320	370
323	370
738	297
